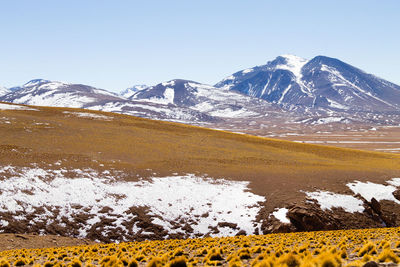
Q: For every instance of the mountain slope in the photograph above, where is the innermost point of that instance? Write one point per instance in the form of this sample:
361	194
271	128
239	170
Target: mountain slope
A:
113	177
322	83
57	94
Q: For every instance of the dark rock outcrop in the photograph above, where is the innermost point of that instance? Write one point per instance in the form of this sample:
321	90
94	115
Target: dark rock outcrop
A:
376	206
396	194
311	218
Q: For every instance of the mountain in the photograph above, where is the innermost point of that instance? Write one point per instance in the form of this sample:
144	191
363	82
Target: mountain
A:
320	83
189	102
177	100
132	90
57	94
203	98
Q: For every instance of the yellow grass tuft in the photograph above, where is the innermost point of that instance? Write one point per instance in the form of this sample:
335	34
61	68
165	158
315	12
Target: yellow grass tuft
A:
387	255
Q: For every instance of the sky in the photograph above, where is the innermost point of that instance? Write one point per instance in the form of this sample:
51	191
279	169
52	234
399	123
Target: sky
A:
115	44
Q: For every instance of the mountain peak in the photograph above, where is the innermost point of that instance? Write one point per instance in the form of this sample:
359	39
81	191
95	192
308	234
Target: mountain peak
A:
35	82
292	57
177	81
128	92
292	63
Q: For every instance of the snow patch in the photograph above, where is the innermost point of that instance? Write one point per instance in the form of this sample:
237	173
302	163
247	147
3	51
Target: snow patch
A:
169	94
337	105
89	115
14	107
293	64
369	190
330	120
229	113
247	71
129	92
170	83
394	182
328	200
281	215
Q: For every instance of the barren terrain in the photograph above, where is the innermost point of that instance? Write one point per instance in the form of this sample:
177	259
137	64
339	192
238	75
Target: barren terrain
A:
111	177
19	241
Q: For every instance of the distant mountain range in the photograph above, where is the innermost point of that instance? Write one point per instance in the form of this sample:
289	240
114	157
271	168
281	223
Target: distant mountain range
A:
176	100
287	86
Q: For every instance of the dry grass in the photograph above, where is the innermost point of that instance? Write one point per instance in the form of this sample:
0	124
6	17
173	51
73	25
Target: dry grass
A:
331	248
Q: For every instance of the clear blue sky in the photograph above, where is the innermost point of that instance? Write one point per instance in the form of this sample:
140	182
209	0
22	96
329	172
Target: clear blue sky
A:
114	44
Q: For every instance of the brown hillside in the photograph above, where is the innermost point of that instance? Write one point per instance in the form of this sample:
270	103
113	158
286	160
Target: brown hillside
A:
143	147
276	169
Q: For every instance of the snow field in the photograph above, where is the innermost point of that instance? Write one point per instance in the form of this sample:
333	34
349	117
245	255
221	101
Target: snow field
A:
169	199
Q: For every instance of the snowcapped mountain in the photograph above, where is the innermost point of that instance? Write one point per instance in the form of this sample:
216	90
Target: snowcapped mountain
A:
177	100
57	94
322	83
216	102
189	102
132	90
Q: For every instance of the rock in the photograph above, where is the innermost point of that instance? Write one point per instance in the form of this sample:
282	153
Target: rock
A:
376	206
281	228
370	264
389	219
227	224
311	218
241	232
376	218
368	210
396	194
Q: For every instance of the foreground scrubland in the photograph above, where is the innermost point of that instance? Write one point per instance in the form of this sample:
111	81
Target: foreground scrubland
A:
329	248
